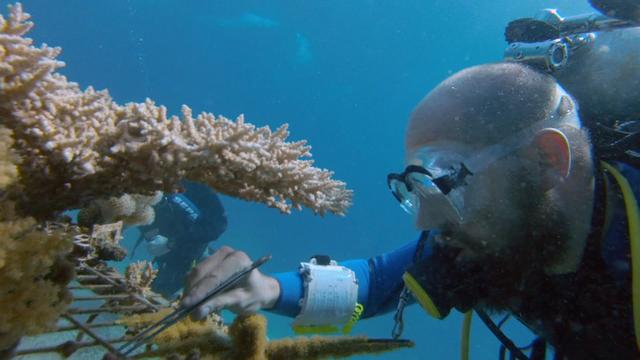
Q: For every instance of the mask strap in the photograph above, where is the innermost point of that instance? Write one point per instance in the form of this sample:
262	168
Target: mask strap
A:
490	154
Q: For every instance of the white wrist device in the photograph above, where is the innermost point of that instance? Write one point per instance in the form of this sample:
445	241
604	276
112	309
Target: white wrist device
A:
330	294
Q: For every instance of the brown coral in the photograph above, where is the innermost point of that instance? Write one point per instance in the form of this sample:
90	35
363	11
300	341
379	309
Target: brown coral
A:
33	271
248	340
8	160
185	335
32	294
249	334
33	268
324	347
139	276
131	209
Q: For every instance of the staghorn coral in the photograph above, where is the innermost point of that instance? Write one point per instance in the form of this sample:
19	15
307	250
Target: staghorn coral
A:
248	340
249	336
8	174
139	276
8	160
324	347
182	330
80	145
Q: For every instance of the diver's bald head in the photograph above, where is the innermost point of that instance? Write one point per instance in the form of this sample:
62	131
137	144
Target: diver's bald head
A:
481	105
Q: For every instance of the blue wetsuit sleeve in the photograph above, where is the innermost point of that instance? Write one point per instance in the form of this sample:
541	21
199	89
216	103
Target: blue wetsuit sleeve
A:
379	282
291	292
385	282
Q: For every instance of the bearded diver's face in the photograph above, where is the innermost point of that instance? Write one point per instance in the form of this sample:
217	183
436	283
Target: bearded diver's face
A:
507	207
498	203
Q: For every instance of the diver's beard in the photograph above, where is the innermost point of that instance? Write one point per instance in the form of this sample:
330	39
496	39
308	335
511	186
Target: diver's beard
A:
540	236
537	241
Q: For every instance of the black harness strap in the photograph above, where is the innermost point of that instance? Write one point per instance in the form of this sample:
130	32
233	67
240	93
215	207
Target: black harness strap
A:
504	340
424	236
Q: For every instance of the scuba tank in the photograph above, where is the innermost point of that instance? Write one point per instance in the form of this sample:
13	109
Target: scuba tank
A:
596	58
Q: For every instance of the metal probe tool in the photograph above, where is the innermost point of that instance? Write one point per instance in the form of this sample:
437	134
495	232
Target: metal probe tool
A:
155	329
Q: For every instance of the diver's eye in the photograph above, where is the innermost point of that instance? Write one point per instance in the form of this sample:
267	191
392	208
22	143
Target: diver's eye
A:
416	177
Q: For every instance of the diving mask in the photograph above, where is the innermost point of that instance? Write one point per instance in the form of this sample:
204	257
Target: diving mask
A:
442	188
439	183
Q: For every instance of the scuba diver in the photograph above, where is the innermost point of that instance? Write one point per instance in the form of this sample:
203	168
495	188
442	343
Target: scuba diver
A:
184	226
524	181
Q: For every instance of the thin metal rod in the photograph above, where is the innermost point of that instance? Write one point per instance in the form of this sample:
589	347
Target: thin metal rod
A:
87	277
179	314
90	287
92	334
110	309
121	286
92	326
102	297
89	320
78	345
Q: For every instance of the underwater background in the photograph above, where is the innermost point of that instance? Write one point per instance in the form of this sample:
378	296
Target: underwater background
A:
345	75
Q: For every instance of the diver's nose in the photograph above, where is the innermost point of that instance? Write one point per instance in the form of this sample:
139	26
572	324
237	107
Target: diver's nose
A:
428	217
419	218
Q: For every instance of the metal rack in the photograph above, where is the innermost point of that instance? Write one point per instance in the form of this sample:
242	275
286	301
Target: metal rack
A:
108	289
97	289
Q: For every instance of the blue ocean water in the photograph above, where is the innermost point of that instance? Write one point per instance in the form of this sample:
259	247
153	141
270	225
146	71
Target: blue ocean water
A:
344	75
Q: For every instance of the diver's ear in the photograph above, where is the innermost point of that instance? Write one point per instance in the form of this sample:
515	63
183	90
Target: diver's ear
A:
554	156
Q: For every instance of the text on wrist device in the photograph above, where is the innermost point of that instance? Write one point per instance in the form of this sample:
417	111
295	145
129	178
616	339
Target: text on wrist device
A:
330	297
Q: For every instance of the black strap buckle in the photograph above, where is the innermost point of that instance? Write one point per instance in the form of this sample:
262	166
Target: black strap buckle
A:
323	260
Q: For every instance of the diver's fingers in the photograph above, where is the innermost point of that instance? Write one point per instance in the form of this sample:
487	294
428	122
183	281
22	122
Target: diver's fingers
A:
205	267
233	263
210	263
237	300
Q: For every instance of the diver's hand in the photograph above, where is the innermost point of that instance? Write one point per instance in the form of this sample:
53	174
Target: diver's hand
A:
256	291
158	245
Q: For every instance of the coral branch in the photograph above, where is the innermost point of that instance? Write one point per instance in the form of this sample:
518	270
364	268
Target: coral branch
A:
61	148
139	276
248	341
33	275
81	144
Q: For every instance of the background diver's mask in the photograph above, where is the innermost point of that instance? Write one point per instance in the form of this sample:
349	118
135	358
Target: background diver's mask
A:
440	181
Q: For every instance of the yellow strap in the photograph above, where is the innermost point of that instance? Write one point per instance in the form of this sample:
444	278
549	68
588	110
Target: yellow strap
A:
421	296
357	312
466	331
331	329
633	220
